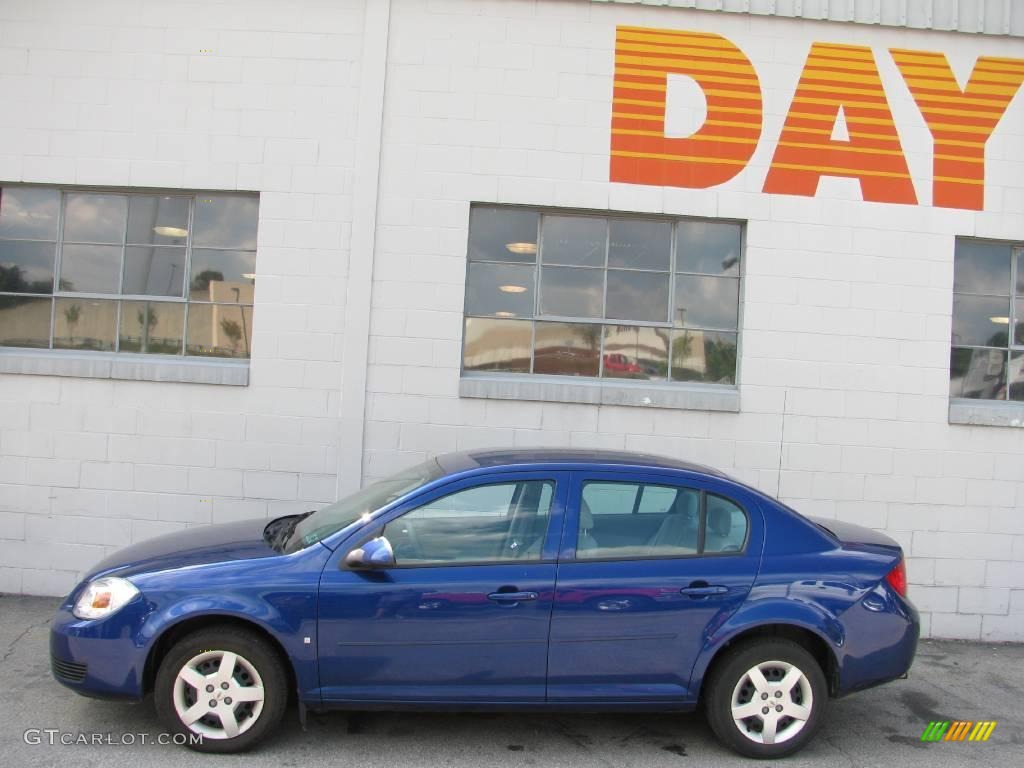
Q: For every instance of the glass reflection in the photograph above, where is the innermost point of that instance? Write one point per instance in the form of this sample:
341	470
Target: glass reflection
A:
219	330
90	268
154	271
150	327
29	213
503	234
639	244
1020	274
503	290
567	349
635	352
157	220
26	267
705	356
24	322
981	320
85	324
637	296
706	302
1016	376
222	276
95	218
977	373
497	345
225	221
709	248
982	268
1018	334
571	292
577	241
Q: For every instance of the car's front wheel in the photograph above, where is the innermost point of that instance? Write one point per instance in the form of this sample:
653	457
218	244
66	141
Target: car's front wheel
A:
222	688
767	698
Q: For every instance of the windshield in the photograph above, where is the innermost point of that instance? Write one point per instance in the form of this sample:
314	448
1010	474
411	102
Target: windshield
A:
341	514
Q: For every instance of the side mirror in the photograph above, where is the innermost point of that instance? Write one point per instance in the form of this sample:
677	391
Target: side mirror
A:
374	554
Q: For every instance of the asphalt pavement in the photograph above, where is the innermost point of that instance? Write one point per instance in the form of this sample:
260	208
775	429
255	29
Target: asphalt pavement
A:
880	727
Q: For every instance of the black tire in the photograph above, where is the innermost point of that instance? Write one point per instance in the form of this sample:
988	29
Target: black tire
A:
251	649
732	671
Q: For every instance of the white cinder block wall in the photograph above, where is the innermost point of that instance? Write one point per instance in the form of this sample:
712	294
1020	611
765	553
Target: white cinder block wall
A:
845	312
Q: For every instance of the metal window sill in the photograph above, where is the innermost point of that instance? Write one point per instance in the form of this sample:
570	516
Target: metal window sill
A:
986	413
127	366
567	389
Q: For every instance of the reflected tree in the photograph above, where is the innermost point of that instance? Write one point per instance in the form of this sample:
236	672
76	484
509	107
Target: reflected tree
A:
72	315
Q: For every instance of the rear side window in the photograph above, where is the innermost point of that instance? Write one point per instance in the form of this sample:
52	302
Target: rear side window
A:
642	520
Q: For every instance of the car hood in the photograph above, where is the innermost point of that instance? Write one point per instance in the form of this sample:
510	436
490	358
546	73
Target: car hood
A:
242	540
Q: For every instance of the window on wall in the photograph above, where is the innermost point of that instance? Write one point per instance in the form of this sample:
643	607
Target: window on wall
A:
610	297
987	359
146	273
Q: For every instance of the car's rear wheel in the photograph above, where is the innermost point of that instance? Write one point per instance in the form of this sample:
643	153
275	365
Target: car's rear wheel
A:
224	685
766	698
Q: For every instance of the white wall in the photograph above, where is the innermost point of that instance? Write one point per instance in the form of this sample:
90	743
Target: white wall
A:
845	320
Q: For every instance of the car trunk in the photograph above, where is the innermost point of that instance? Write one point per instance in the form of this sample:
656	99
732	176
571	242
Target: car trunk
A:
851	534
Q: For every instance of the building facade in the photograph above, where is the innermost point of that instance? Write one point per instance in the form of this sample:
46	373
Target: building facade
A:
256	254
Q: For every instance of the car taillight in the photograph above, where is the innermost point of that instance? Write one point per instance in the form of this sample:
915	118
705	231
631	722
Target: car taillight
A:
897	578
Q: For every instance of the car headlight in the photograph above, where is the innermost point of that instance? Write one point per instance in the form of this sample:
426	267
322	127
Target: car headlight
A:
103	597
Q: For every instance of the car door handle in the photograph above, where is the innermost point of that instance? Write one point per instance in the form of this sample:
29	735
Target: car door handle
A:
512	598
704	590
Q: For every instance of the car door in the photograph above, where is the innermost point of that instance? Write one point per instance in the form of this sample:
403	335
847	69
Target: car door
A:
649	565
464	614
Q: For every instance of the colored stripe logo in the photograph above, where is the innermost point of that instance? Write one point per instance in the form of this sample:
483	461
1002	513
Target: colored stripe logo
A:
958	730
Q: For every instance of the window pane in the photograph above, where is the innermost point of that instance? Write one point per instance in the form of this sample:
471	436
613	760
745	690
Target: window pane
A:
154	271
503	290
567	349
981	320
635	352
222	276
90	268
706	302
29	213
154	328
637	296
225	221
669	527
85	324
726	528
506	521
574	240
1020	274
639	244
26	267
706	356
219	330
571	292
1017	376
497	345
977	373
982	268
95	218
24	322
708	247
157	220
503	234
1019	322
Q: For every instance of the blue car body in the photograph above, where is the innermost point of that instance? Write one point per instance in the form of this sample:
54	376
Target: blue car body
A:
599	634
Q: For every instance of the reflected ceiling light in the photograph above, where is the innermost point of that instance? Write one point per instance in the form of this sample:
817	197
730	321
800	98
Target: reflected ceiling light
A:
521	247
1000	320
504	314
249	275
171	231
512	288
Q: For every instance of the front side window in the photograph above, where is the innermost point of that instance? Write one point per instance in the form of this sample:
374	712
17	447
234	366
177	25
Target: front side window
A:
622	521
483	524
987	357
611	297
152	273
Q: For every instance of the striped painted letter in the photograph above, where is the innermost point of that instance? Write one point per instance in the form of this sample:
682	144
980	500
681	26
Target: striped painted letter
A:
641	153
960	121
834	78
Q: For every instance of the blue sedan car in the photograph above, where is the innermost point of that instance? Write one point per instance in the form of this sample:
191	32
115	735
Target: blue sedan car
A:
545	579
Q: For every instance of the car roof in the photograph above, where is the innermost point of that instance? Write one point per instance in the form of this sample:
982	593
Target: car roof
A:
531	457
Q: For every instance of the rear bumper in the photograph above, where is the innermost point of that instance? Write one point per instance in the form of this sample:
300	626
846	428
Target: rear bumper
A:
882	631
